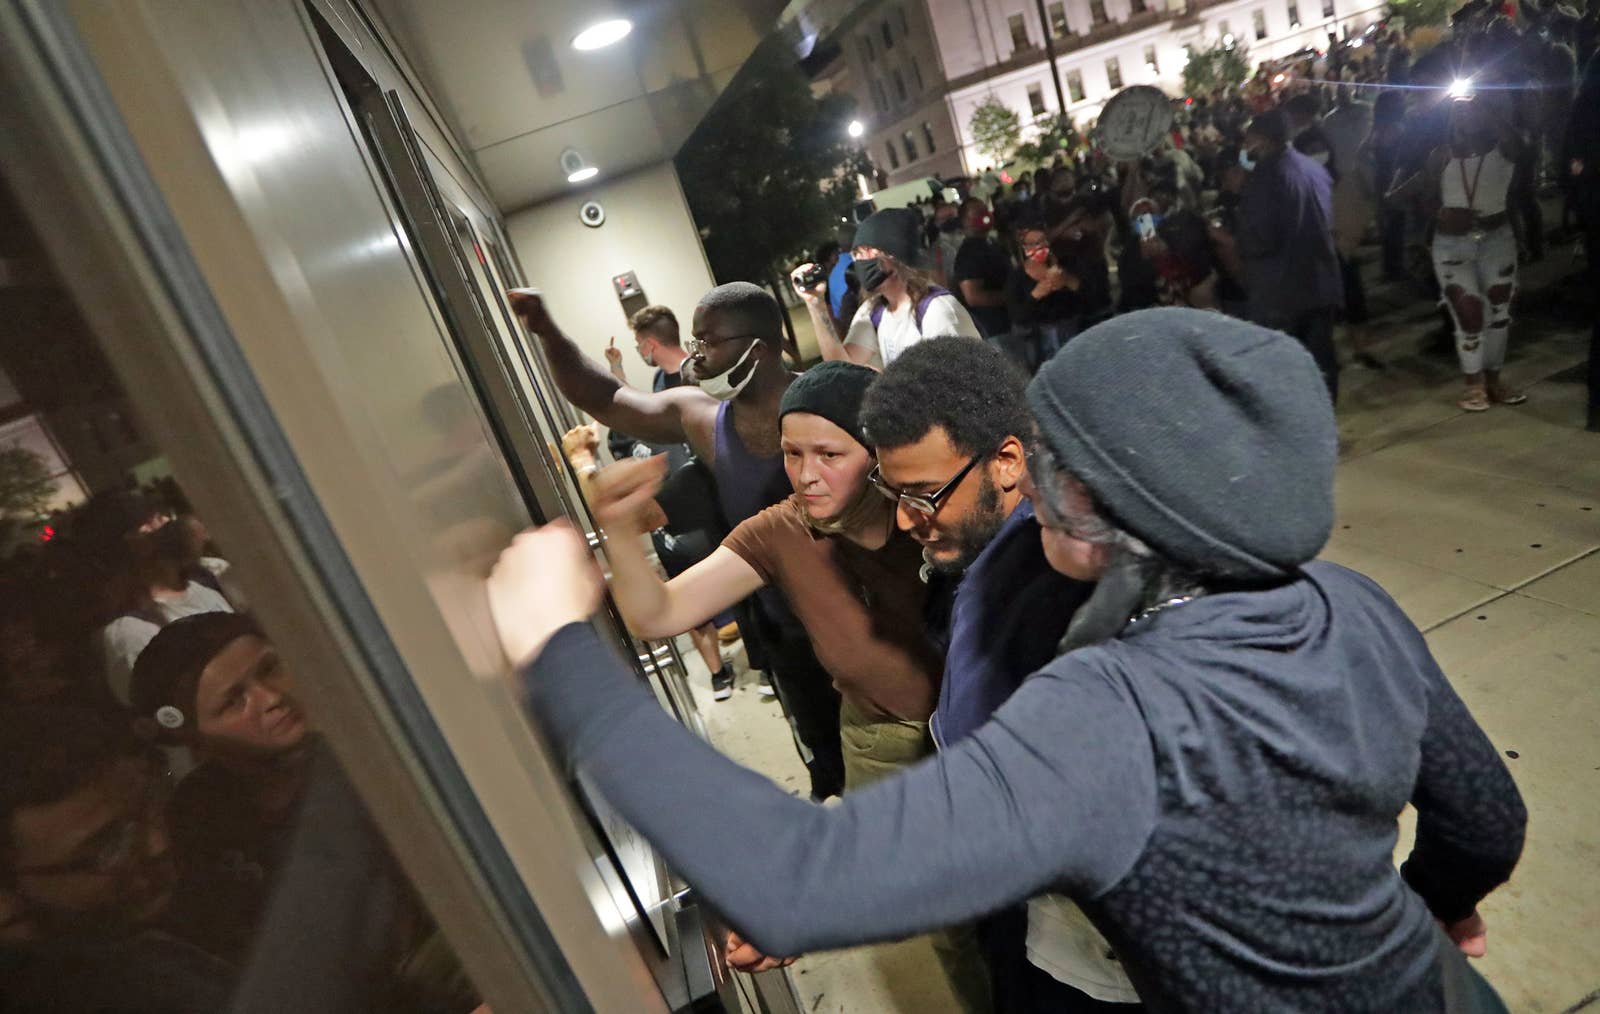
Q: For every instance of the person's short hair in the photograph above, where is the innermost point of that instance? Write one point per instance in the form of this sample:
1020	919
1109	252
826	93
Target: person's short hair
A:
659	322
111	516
967	387
50	751
1304	105
1272	125
752	307
971	203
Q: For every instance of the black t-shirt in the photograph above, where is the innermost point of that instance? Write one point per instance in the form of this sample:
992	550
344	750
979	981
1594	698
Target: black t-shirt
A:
981	260
147	973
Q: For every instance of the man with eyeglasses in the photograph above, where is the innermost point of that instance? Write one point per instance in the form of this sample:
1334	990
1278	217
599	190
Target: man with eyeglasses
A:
950	423
85	872
730	419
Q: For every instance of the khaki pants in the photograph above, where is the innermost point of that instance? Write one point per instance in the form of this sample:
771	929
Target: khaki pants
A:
874	748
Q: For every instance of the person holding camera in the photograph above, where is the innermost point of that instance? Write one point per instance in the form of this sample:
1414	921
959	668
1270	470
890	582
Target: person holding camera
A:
902	304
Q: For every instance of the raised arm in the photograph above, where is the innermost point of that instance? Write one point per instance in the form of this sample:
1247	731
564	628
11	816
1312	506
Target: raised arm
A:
678	415
1057	790
623	496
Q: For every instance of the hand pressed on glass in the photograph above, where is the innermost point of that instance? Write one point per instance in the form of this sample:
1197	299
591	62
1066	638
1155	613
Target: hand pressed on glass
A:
543	581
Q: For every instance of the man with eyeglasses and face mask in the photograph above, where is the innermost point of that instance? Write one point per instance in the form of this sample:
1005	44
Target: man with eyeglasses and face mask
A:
86	872
730	419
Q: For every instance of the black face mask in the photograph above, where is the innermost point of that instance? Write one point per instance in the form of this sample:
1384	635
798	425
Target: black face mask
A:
872	272
951	225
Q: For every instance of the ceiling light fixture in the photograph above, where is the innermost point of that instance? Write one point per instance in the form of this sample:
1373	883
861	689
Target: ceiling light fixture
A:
602	34
587	173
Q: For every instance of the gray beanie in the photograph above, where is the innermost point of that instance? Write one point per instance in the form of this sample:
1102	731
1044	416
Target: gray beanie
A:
1209	438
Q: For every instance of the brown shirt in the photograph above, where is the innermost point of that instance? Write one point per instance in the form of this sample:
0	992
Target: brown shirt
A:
861	608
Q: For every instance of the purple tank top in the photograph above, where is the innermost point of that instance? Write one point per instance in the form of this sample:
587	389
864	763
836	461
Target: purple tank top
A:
747	483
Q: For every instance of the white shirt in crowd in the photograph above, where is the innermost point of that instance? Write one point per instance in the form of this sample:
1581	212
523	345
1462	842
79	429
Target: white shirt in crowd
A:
897	332
125	637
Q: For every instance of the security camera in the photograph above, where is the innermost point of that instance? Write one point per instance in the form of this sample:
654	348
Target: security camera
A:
592	214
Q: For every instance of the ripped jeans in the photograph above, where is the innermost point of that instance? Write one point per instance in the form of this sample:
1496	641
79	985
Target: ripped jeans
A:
1478	278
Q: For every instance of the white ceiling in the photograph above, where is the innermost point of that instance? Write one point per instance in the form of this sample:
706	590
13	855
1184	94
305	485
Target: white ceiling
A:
504	72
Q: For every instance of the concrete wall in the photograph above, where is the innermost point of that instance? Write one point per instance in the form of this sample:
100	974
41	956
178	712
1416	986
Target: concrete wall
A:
647	230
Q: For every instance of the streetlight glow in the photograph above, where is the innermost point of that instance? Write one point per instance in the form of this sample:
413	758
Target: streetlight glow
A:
856	128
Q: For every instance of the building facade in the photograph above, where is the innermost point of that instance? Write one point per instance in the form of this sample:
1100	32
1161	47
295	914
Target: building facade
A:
892	66
996	48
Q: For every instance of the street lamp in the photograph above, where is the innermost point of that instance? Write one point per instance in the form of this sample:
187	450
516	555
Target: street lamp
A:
856	128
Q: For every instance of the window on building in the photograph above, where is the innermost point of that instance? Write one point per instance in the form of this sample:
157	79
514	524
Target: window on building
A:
1019	32
894	156
1151	61
927	138
916	72
888	35
899	84
866	45
1137	6
1294	15
905	26
1259	17
1097	12
1114	73
1036	99
1075	85
1327	8
1058	20
910	144
879	97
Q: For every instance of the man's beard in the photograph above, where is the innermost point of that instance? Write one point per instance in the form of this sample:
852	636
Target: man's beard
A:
976	532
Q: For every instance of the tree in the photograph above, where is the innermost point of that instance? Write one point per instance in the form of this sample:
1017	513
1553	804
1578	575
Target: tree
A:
770	171
1053	134
996	130
25	485
1223	65
1422	13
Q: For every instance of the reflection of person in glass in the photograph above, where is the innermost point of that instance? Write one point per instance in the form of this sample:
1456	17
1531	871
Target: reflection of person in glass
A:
86	872
1214	767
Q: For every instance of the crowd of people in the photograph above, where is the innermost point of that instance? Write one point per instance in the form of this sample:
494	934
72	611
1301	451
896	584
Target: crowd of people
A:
168	816
1256	206
1099	721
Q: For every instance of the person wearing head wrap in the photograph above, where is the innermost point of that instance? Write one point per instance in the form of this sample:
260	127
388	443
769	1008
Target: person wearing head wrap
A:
214	684
900	304
832	549
1212	769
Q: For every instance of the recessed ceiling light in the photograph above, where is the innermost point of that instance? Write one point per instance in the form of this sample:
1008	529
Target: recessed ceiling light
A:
587	173
603	34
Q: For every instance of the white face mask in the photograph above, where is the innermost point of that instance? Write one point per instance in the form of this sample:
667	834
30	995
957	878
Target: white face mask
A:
726	385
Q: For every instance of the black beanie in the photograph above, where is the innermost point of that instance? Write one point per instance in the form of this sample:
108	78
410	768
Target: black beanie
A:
166	675
895	231
833	390
1209	438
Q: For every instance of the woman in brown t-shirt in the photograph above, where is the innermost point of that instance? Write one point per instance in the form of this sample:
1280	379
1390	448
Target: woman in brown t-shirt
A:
834	551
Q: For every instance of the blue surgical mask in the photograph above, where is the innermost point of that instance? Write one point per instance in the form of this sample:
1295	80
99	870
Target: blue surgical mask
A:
1245	159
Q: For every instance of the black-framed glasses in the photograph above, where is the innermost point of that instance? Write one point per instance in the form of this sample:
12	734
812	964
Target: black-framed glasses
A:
120	844
700	346
926	504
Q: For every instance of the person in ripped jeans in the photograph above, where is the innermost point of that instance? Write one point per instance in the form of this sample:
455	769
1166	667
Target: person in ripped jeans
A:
1474	247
